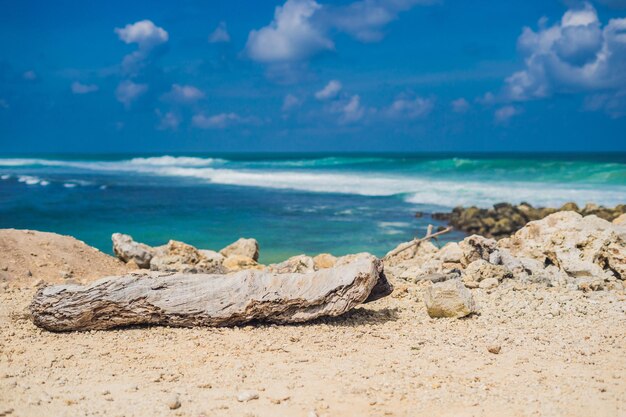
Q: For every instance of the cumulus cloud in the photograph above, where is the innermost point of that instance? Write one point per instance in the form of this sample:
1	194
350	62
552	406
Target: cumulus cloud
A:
291	36
460	105
504	114
291	102
168	121
144	33
366	19
577	54
147	36
329	91
127	92
80	88
185	94
220	121
220	34
303	28
410	108
350	110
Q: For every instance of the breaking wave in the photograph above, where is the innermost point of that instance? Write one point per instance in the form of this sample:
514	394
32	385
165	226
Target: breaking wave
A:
446	182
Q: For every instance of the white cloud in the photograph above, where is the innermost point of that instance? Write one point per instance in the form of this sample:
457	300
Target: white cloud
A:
184	94
144	33
365	19
168	121
291	36
574	55
291	102
147	36
504	114
220	121
460	105
128	91
79	88
220	34
410	108
303	28
329	91
350	111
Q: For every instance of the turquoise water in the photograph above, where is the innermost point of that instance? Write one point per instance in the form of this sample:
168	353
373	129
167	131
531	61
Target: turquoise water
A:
291	203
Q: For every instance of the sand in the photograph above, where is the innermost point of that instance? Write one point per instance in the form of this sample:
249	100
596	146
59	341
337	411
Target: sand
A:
561	353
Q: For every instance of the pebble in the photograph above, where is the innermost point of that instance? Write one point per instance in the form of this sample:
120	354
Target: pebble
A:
245	396
173	402
495	349
488	283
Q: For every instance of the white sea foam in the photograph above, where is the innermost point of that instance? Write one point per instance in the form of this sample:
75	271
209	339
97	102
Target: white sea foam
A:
69	185
413	187
29	179
168	160
5	177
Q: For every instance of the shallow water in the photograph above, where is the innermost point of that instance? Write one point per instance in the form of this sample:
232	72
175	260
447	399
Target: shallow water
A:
291	203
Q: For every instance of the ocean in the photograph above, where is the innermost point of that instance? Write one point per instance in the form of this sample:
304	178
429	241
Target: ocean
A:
291	203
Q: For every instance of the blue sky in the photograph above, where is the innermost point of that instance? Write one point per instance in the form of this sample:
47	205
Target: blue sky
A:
306	75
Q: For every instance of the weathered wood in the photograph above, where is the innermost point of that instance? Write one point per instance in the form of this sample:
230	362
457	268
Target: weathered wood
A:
187	300
417	241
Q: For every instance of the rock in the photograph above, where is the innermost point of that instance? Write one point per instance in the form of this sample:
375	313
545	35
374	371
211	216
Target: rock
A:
245	396
181	257
480	270
299	263
488	283
620	220
212	256
173	402
451	252
242	247
495	349
236	263
126	249
324	260
476	247
505	219
449	299
578	246
208	300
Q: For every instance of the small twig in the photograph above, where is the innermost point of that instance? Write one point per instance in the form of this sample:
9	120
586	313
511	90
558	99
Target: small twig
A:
417	242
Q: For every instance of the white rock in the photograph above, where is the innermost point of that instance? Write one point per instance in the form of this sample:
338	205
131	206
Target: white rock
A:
449	299
127	249
242	247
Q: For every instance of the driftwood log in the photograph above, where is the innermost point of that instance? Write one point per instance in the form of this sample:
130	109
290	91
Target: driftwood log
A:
186	300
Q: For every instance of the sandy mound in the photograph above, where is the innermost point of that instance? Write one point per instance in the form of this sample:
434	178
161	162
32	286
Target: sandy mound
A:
28	256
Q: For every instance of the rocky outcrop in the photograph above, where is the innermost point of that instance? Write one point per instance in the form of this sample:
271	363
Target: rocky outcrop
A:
299	264
242	247
449	299
563	249
505	219
187	300
126	249
582	248
181	257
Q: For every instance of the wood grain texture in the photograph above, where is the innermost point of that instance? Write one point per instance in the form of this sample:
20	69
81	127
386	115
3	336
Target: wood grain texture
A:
186	300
